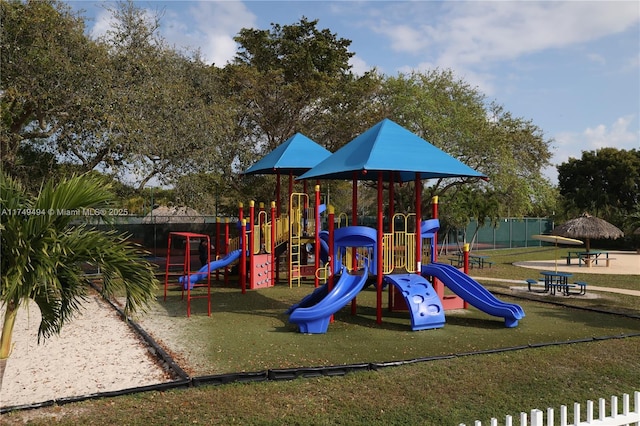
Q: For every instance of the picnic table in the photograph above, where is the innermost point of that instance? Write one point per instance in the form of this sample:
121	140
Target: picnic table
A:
554	281
557	281
588	257
474	260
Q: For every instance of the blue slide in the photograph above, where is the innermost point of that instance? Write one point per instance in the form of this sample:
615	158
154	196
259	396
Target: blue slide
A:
315	319
204	271
473	292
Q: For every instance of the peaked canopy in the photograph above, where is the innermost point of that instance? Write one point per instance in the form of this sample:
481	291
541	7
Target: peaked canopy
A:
391	149
296	155
587	227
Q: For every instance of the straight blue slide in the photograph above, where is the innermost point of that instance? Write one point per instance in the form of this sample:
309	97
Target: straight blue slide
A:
204	271
473	292
315	319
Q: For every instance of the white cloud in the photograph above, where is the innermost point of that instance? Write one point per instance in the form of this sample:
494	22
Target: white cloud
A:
618	136
103	23
358	65
206	26
462	35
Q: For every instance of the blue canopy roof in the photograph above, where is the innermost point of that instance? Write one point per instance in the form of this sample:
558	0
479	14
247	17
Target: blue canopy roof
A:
389	148
296	155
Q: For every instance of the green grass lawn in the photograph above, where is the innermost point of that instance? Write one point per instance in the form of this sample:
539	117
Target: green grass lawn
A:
250	333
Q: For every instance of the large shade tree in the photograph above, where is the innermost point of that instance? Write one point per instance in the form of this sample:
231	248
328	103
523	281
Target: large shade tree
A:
294	78
51	87
457	118
43	255
606	183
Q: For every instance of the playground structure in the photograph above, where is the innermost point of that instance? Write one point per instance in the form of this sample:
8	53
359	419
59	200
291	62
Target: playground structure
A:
392	257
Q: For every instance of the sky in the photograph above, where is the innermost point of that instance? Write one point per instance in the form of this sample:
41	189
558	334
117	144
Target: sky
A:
571	67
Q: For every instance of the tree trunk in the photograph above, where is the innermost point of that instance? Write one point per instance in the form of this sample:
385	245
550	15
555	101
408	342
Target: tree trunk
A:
5	338
3	365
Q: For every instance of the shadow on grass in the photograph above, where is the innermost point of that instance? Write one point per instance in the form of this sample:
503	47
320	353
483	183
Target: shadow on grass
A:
223	299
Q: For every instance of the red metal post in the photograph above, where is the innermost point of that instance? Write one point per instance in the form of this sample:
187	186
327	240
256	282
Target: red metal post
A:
465	252
316	251
187	267
418	188
273	242
331	226
434	213
243	255
252	241
354	222
226	249
216	249
379	254
391	289
278	205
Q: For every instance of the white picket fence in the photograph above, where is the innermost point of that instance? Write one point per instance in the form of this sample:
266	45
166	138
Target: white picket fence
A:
626	416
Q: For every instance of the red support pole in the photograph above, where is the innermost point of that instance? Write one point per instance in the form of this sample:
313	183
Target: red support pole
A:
418	184
434	213
316	253
252	241
243	256
278	205
331	226
354	222
187	267
354	200
465	250
226	249
290	185
379	254
305	210
465	253
262	220
216	249
208	276
273	242
390	229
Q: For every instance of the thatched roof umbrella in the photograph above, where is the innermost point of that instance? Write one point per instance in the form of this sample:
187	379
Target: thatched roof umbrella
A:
587	227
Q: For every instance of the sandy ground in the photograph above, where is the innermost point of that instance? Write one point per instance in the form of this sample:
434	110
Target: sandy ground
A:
622	263
95	352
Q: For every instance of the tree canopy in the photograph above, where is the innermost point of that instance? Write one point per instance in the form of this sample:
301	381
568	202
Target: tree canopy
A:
605	183
131	106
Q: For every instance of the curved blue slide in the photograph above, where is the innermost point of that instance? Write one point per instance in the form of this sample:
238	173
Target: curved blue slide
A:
315	319
473	292
204	271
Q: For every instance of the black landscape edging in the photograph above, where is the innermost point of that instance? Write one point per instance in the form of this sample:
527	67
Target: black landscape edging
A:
159	353
224	379
293	373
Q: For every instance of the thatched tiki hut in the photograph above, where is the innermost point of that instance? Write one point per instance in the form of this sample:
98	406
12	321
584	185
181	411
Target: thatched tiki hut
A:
587	227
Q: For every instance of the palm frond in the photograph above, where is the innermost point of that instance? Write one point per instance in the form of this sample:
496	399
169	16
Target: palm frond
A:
42	253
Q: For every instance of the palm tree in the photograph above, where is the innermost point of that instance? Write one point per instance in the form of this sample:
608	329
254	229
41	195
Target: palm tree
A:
42	253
